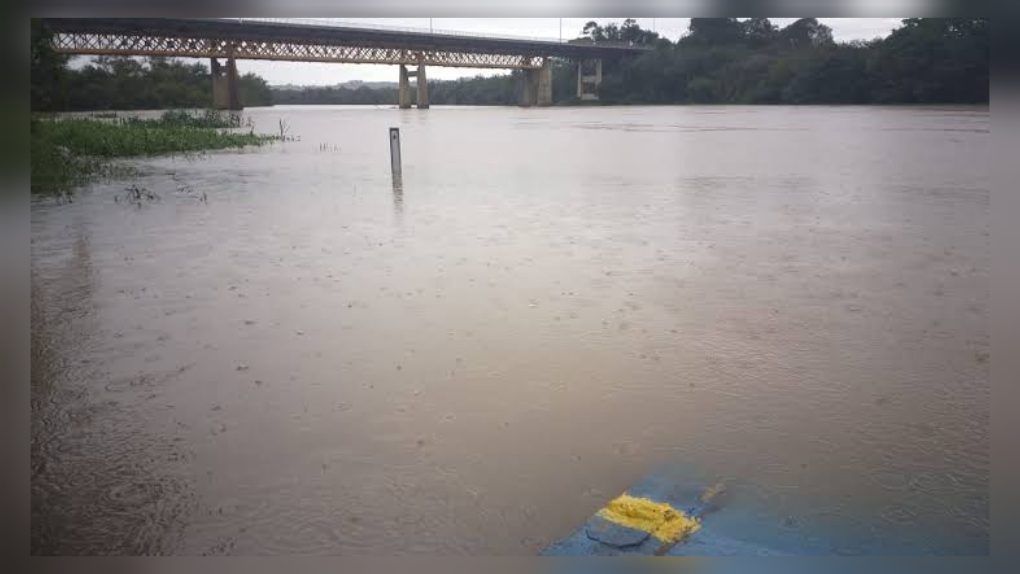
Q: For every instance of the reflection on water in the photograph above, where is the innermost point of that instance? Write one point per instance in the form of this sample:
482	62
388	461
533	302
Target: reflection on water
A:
398	195
281	355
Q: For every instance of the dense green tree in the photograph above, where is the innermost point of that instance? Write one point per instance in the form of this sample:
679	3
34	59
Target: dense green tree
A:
47	70
118	83
758	31
592	31
130	84
335	95
835	75
723	60
715	31
805	33
629	32
255	91
933	59
481	90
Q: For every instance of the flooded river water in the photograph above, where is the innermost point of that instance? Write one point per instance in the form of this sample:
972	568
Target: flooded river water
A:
284	355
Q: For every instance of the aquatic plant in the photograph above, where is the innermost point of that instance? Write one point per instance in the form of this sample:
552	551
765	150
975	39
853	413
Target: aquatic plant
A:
136	195
69	151
203	119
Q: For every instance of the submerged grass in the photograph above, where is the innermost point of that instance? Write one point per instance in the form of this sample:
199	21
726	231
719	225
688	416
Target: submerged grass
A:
202	119
87	137
69	151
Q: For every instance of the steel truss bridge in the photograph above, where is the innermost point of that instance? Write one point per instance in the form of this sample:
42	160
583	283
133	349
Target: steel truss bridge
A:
233	39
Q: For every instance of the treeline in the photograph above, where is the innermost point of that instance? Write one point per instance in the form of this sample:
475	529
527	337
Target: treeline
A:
752	61
157	83
719	60
362	95
479	91
109	83
724	60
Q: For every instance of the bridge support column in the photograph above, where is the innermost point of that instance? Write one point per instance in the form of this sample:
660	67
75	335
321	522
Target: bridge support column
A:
404	93
225	85
423	88
526	89
588	83
404	90
535	86
543	84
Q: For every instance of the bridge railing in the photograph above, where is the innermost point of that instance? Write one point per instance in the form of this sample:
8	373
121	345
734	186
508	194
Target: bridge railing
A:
329	22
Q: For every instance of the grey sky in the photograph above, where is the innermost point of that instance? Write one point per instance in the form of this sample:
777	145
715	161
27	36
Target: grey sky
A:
277	73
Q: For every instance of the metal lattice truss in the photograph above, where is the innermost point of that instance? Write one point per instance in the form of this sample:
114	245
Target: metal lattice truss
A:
158	45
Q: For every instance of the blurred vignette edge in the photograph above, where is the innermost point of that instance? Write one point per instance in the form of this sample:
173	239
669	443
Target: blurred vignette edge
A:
15	263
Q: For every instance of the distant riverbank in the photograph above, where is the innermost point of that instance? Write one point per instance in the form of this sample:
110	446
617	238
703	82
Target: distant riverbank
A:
719	61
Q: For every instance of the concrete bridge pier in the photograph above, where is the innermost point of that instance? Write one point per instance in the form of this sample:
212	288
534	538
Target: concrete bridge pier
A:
536	86
588	83
544	83
225	85
404	91
423	88
525	89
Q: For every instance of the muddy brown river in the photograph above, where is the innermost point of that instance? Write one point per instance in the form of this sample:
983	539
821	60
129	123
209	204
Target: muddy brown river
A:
281	354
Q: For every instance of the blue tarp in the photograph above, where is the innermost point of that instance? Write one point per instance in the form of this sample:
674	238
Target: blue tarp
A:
739	524
671	485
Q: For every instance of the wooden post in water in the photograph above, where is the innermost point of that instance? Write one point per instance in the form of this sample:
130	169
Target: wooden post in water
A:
395	153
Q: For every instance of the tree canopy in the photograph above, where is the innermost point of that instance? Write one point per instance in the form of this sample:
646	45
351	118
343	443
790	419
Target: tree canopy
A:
751	61
629	32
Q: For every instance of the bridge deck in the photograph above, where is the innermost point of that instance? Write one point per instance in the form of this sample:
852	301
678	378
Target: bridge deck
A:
253	31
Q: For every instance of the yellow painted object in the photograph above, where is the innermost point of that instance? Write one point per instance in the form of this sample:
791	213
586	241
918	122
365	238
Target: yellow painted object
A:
661	520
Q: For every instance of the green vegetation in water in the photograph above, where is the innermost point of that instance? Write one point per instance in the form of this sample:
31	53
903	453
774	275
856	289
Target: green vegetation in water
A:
205	119
70	151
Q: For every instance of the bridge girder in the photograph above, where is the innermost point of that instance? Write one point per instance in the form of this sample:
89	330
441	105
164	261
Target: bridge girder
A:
81	43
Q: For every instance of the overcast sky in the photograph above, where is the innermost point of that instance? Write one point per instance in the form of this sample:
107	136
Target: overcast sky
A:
303	73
